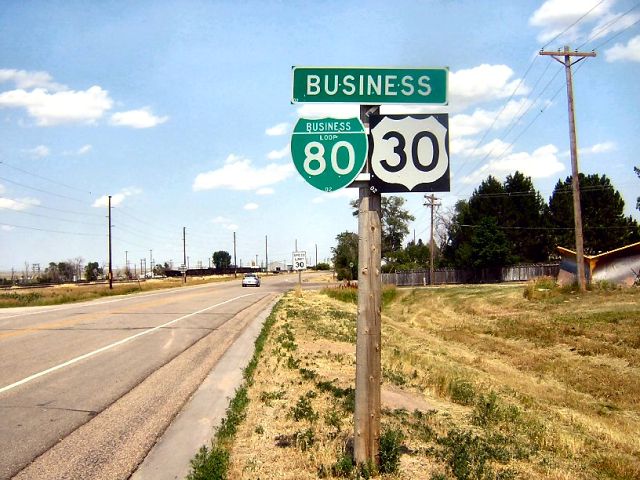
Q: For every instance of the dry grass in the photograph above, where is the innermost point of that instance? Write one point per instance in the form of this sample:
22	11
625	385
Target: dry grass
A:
69	293
483	383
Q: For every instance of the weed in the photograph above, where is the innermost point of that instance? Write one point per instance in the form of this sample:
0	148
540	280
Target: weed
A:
292	363
267	397
333	419
462	392
304	439
390	450
343	467
397	378
259	430
303	410
308	374
346	395
486	410
469	456
209	464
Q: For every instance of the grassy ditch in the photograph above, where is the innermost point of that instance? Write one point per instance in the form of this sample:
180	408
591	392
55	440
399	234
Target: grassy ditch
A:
479	382
69	293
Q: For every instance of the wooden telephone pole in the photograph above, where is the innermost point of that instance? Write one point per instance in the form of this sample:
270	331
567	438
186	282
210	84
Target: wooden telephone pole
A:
430	201
368	330
110	262
575	180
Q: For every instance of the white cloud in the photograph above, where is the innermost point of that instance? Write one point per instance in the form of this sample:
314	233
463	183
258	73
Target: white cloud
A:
251	206
468	148
7	228
265	191
117	198
18	204
142	118
62	107
482	84
220	220
278	130
348	193
40	151
84	149
603	147
481	120
554	16
279	154
2	189
232	227
25	80
239	174
629	52
542	163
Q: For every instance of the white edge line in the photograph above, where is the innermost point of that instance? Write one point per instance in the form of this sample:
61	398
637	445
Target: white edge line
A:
115	344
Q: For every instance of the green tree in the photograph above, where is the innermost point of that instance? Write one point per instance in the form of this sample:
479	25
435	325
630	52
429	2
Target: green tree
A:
345	254
221	259
490	245
161	269
395	223
91	271
526	218
604	225
515	208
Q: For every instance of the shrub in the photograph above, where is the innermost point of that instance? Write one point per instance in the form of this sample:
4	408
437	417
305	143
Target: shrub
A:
390	450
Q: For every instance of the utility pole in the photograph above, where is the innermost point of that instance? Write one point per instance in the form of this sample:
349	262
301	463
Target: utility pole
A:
235	265
266	255
575	179
184	254
316	264
430	201
126	262
110	270
151	262
368	326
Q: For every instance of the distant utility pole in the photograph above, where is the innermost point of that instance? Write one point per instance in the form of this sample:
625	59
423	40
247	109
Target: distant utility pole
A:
184	254
266	255
575	180
316	264
151	261
235	265
126	261
110	270
430	201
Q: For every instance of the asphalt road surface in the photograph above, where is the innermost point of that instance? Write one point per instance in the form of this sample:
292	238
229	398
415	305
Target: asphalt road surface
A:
85	389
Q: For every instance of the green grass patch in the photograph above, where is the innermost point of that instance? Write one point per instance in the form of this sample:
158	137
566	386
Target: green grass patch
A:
212	463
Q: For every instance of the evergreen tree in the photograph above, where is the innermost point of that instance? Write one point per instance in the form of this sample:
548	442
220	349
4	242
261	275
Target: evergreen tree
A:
604	225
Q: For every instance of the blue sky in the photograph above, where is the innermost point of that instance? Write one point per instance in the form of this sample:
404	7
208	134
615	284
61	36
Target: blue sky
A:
181	111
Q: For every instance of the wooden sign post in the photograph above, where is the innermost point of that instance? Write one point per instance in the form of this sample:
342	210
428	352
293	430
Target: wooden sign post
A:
368	335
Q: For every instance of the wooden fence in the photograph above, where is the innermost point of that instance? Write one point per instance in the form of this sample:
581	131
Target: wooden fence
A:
514	273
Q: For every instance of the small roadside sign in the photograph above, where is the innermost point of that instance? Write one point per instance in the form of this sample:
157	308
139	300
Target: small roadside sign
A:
410	153
328	152
370	85
299	261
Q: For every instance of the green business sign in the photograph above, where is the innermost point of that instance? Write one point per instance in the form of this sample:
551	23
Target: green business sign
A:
328	152
370	85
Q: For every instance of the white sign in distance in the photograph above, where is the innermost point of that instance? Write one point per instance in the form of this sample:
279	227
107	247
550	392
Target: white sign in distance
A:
299	260
410	153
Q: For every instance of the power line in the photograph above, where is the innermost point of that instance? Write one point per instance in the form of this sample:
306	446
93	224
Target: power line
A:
573	24
41	190
33	214
53	231
610	23
44	178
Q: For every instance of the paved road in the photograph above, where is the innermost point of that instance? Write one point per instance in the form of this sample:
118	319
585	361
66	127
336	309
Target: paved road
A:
101	380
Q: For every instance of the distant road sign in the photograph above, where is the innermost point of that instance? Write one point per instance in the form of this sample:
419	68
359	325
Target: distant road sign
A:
370	85
329	152
410	153
299	260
